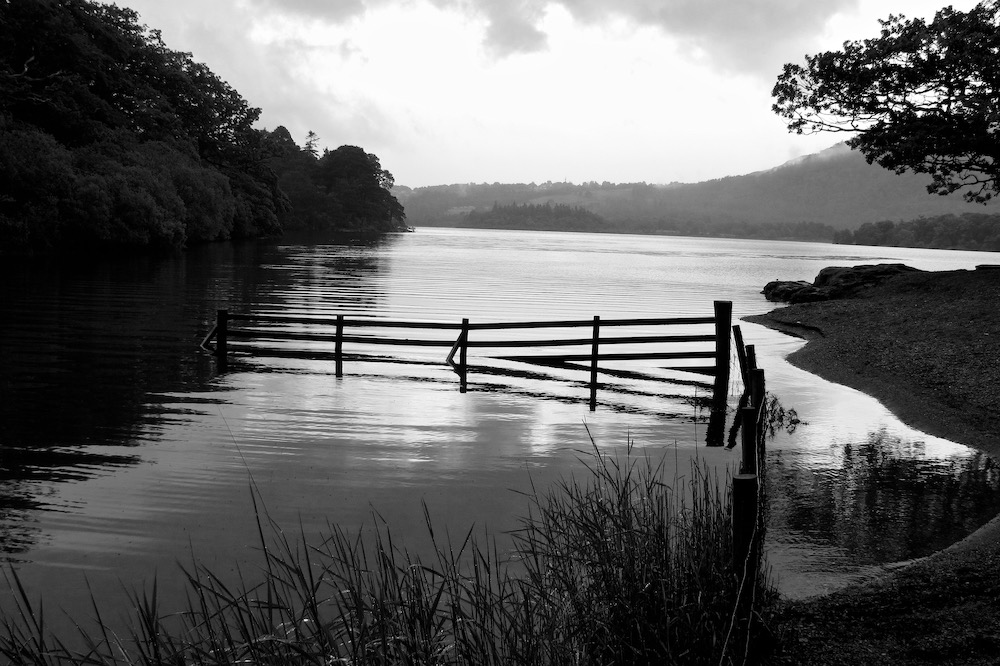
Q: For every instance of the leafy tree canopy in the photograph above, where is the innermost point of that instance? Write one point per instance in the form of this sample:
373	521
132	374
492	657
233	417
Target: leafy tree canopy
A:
921	96
360	184
108	137
344	189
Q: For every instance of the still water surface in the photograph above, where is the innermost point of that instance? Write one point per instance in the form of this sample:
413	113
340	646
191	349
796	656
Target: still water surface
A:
124	451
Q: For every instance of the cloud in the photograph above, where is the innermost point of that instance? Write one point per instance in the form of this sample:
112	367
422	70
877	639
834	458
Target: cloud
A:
512	29
750	36
511	25
746	36
336	11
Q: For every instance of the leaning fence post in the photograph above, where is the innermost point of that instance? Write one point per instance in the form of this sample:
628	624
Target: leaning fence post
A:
222	338
741	355
720	392
593	363
463	356
338	350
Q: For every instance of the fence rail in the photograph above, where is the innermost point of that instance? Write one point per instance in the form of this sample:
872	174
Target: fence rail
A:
234	327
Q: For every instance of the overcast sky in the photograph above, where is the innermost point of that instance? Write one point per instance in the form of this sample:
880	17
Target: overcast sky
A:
458	91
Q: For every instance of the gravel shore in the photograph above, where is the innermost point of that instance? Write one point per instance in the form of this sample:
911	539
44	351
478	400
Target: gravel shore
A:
927	345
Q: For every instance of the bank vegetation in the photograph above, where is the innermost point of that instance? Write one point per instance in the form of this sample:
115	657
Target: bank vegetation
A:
619	566
108	138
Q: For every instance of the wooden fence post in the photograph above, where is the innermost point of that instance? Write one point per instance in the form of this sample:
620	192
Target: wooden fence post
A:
720	392
745	547
593	362
751	357
463	357
748	419
757	387
746	541
338	351
741	355
222	338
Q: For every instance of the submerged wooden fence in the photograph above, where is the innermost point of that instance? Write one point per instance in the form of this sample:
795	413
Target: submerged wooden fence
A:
469	336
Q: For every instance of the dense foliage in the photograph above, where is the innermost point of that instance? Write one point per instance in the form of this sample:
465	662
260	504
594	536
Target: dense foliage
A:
558	217
972	231
921	97
343	189
108	137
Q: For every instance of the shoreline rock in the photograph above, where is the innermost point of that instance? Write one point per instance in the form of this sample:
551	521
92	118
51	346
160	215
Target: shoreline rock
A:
834	282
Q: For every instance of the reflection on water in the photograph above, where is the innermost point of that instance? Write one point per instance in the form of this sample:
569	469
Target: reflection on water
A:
122	450
852	489
883	499
778	418
88	347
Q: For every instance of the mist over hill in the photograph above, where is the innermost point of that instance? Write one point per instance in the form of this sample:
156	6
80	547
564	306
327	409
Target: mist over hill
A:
809	198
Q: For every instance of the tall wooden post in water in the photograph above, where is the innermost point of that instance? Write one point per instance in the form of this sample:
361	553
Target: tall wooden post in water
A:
338	349
463	357
593	362
720	391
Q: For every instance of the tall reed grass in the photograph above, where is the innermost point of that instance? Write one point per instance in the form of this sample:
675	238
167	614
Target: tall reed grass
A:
611	566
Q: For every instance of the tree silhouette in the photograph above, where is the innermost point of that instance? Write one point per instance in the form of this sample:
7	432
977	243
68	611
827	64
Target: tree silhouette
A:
921	97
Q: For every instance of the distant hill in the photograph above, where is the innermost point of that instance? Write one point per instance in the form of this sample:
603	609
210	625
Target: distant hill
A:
808	197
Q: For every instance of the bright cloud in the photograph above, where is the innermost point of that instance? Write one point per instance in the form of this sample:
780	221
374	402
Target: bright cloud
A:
450	91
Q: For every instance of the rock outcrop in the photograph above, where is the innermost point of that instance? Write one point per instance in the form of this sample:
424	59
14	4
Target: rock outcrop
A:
834	282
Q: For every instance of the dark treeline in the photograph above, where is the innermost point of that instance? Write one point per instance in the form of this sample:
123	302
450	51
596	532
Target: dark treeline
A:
549	217
108	137
803	231
970	231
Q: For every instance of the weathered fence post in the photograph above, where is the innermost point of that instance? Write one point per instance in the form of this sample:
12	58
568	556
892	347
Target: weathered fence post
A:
222	338
720	392
746	541
338	350
593	362
463	357
751	357
748	418
741	355
744	520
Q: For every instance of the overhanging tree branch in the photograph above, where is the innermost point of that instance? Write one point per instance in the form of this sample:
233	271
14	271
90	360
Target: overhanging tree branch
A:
922	96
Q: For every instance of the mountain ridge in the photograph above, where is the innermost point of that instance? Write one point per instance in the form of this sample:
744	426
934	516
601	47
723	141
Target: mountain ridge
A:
835	187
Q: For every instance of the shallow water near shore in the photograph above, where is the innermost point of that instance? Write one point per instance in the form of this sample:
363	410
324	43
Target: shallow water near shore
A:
854	489
126	451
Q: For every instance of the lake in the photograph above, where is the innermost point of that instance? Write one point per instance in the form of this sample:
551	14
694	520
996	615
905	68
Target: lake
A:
125	451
